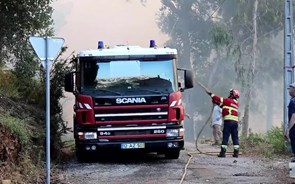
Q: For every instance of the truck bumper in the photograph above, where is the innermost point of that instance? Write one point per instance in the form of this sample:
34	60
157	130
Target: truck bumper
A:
149	146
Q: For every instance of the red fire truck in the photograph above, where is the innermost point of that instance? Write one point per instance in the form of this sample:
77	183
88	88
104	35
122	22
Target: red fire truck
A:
128	98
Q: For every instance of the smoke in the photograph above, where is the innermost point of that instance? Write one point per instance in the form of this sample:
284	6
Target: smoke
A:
60	13
268	94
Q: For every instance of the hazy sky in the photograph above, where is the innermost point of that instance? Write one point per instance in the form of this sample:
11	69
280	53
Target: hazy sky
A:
83	22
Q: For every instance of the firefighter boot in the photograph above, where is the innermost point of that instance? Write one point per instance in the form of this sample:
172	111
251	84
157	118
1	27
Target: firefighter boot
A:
222	152
236	153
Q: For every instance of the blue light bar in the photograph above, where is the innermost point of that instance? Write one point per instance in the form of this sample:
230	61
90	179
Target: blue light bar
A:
100	45
152	43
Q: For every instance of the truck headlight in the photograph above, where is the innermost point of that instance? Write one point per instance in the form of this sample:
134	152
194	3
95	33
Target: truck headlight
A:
172	132
90	135
181	132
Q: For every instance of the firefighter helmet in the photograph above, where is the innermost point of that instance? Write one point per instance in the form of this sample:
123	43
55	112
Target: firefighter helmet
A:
235	93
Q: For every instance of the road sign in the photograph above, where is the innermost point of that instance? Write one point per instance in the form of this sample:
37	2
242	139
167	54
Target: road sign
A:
47	48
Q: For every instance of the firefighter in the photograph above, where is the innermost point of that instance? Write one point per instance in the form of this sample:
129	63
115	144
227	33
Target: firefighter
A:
230	107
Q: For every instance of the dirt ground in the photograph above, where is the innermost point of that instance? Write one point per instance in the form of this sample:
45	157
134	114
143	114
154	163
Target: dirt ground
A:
202	168
245	169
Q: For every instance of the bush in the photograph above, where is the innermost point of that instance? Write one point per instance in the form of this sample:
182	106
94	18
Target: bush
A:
8	83
16	126
275	137
271	144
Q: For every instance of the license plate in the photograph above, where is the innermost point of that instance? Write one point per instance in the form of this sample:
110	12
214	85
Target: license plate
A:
132	145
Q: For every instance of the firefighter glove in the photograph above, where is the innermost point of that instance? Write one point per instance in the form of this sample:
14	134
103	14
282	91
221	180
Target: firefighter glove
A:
209	93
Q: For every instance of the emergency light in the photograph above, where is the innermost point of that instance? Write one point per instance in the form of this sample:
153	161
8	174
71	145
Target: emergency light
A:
152	43
100	45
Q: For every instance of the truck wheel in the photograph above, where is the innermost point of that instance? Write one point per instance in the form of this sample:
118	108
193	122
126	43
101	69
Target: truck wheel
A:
172	154
82	156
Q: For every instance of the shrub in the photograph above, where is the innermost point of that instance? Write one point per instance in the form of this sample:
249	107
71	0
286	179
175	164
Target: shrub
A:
270	144
16	126
8	83
275	137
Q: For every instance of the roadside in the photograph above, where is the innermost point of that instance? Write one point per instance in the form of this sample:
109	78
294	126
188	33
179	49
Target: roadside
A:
245	169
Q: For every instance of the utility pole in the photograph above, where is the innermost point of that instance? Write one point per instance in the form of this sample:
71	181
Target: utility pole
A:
288	57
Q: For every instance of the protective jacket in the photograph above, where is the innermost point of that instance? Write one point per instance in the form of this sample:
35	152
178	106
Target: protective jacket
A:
229	107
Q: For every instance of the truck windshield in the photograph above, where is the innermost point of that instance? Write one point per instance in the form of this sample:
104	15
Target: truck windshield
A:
127	77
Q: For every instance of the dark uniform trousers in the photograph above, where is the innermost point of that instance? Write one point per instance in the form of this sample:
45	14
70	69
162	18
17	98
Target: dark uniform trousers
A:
230	128
292	137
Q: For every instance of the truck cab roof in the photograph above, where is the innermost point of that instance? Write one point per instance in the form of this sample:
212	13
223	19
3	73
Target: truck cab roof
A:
123	50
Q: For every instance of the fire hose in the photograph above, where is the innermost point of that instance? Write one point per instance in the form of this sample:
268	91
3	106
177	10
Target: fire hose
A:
190	154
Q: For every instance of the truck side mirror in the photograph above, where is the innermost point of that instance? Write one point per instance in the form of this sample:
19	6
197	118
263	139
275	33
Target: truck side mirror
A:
69	82
188	79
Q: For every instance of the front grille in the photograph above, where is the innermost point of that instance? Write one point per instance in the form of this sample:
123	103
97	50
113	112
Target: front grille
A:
133	132
155	132
134	113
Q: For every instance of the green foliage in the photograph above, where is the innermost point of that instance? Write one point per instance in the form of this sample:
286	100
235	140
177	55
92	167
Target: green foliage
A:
215	39
58	128
188	22
8	83
18	20
255	138
24	70
221	35
17	126
271	144
275	137
70	145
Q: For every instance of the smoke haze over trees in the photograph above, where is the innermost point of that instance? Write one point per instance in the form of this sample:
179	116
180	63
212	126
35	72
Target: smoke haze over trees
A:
230	44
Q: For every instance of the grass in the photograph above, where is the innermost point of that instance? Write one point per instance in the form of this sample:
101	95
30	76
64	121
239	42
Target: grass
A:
69	144
28	167
8	83
17	126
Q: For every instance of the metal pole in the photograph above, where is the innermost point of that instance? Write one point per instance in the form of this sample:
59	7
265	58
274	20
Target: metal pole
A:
288	57
47	112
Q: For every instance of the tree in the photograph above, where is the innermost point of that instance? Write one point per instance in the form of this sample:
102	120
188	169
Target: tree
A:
188	22
19	20
59	69
253	24
223	42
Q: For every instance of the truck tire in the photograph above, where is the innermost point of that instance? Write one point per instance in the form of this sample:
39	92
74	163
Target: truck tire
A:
172	154
82	156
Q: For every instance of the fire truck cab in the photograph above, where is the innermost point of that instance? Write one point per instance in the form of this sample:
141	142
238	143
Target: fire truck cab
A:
128	98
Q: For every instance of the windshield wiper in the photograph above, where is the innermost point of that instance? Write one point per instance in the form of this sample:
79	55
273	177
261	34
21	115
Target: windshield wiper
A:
105	90
149	90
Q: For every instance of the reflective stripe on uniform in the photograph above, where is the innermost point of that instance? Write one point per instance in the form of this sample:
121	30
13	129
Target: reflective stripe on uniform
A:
236	147
224	146
231	108
231	117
